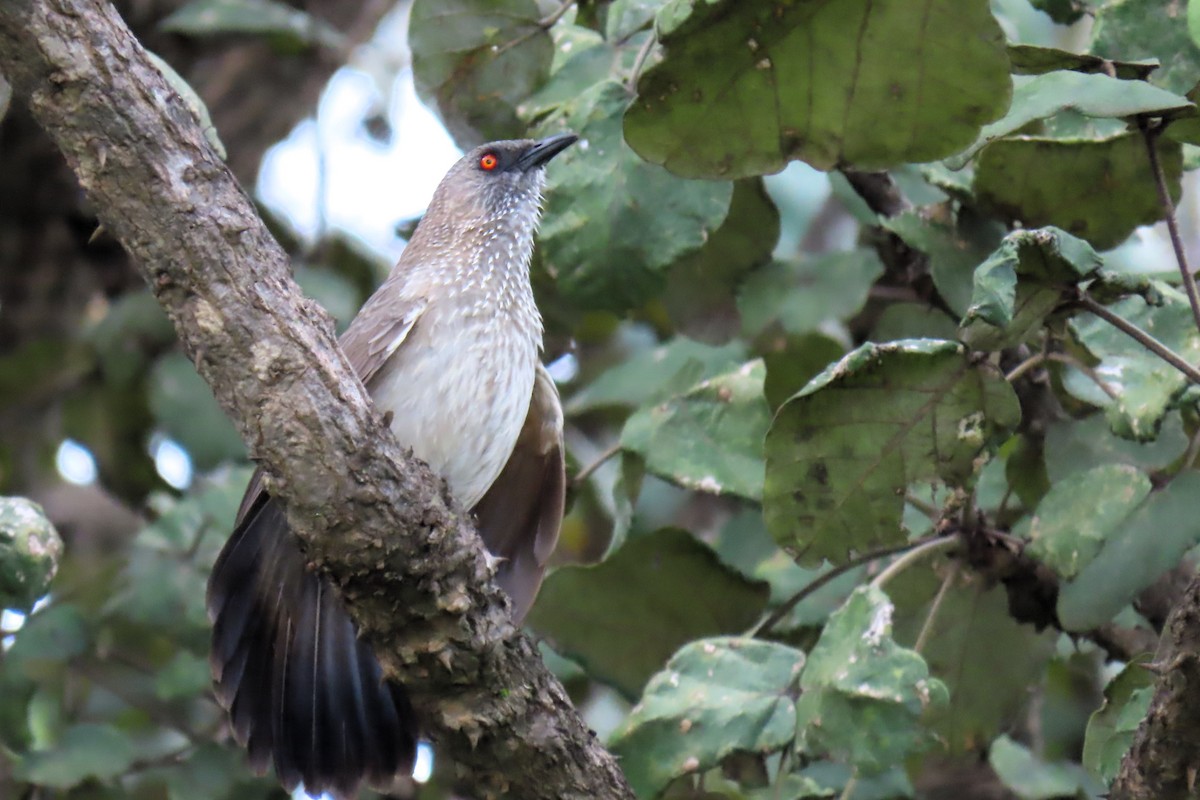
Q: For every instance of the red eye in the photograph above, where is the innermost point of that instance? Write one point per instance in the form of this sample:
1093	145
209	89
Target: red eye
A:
488	162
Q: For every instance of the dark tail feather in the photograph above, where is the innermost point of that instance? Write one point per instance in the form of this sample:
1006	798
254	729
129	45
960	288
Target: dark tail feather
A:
302	690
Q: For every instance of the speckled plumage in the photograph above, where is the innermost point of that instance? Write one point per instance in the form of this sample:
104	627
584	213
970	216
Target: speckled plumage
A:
449	346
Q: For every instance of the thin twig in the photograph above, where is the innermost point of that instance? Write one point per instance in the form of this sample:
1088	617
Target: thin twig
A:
851	785
601	459
912	557
928	509
1062	358
1150	135
640	61
927	628
555	15
777	616
1143	338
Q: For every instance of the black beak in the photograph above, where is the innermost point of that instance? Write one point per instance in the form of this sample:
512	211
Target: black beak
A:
541	152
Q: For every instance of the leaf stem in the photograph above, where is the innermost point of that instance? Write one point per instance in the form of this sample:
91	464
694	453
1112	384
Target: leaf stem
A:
927	627
555	15
777	616
1150	135
1143	338
851	785
640	61
1062	358
912	557
601	459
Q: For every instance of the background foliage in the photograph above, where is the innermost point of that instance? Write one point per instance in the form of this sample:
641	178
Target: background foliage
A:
880	490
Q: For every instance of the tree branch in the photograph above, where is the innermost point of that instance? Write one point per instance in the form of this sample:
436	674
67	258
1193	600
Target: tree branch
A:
423	597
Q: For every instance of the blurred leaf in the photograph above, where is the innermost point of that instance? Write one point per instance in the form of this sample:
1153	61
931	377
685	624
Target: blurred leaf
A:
842	452
1099	190
1080	513
987	659
955	248
134	330
622	619
628	16
801	295
206	773
1097	95
912	321
336	294
1148	543
185	675
935	70
799	360
185	409
710	438
1073	446
255	18
1029	777
1028	59
1110	730
34	371
475	60
716	696
862	695
5	97
30	549
1146	386
656	374
1022	282
85	751
601	186
1129	29
52	636
702	286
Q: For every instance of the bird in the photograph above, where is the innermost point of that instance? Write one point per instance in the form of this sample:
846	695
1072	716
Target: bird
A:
449	349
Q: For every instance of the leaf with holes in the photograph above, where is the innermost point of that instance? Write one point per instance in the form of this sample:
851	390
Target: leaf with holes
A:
715	697
813	81
842	452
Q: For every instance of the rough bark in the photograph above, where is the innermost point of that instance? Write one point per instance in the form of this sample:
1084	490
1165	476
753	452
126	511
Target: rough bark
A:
423	597
1164	760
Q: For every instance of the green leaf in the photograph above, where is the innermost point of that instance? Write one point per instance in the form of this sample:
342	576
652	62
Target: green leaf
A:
656	374
30	549
1149	542
1098	95
801	295
1073	446
955	248
1022	282
862	695
185	409
1146	386
1029	777
1079	514
1130	29
1099	190
622	619
52	636
842	452
601	186
476	60
1112	726
85	751
134	327
1028	59
185	675
715	697
256	18
206	773
986	658
627	16
796	361
701	286
813	80
710	438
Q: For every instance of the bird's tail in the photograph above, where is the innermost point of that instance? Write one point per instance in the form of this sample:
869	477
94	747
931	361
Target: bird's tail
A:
301	689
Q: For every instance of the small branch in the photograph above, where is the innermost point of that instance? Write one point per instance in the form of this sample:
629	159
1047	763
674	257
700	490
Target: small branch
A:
640	62
1038	359
600	461
914	556
851	785
1143	338
554	16
778	615
927	627
1150	135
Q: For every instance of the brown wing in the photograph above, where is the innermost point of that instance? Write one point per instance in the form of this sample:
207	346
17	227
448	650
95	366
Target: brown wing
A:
378	331
520	516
